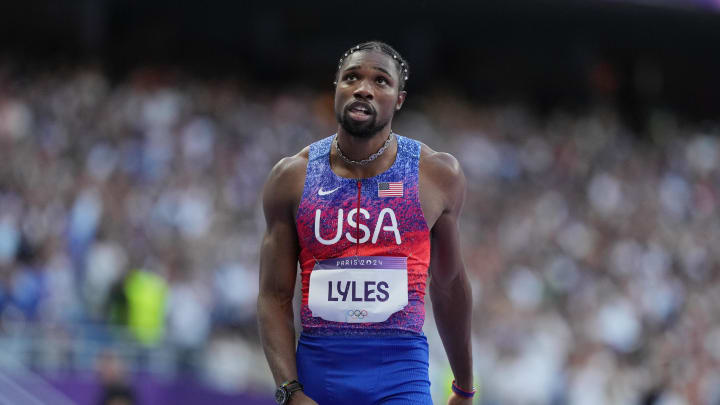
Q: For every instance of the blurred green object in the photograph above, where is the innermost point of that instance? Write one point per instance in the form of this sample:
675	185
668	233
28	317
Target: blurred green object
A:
146	296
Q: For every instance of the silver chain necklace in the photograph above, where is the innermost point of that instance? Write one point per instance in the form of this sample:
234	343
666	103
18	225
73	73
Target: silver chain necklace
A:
364	161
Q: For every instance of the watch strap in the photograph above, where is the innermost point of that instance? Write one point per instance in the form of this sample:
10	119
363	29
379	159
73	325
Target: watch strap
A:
292	386
289	387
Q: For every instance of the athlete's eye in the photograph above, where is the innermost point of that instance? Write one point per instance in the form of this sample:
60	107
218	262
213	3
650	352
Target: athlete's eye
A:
350	77
382	80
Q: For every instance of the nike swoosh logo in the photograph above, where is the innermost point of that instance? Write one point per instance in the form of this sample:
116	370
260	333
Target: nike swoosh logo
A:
323	192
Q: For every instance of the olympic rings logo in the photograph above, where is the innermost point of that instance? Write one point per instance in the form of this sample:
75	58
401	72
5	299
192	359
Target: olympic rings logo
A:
357	313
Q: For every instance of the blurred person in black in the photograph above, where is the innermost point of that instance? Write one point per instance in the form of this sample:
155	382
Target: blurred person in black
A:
115	388
363	297
118	395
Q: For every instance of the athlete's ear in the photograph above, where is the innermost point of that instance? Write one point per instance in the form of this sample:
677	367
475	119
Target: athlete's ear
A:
400	100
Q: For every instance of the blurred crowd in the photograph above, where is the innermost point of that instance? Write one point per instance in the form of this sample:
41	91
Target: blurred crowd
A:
593	250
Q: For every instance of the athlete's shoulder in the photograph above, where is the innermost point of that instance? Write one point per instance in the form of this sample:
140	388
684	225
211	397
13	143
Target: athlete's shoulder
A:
442	177
286	180
290	166
440	165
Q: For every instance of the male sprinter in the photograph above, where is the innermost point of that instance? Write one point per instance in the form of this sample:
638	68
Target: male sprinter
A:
365	212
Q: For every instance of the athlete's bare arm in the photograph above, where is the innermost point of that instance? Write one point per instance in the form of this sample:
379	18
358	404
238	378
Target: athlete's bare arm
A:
442	193
278	266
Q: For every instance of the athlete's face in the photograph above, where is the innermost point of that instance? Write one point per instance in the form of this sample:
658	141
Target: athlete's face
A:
367	93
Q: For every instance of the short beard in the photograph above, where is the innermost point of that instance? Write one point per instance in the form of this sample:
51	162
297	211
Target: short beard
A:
360	129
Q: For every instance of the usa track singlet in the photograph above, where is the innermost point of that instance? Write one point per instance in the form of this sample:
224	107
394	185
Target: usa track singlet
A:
364	248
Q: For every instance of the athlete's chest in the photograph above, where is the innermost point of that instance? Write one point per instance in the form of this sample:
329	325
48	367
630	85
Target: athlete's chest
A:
373	211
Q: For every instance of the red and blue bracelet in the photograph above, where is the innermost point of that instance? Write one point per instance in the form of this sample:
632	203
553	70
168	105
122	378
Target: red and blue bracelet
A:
462	392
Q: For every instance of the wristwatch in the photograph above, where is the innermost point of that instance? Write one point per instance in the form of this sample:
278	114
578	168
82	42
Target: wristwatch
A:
285	391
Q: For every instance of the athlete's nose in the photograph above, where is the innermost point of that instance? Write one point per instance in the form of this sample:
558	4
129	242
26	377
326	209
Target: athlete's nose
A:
363	91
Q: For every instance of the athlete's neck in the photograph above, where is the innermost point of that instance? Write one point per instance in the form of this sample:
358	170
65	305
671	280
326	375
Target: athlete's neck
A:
358	149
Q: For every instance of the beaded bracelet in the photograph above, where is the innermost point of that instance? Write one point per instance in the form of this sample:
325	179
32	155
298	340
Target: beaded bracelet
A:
462	392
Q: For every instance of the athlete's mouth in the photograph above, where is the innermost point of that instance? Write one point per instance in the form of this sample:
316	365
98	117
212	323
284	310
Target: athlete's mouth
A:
360	110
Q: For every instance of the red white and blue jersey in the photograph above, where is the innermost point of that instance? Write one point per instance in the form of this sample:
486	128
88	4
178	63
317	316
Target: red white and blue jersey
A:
364	247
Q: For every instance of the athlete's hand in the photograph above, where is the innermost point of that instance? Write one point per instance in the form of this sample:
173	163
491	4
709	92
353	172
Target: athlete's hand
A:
456	399
299	398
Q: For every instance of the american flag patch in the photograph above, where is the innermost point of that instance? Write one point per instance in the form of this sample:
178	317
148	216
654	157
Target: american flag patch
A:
390	189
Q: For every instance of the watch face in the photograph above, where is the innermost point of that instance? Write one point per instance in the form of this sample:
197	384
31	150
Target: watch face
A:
280	396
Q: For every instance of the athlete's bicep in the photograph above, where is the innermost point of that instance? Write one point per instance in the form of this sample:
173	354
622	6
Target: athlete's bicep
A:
278	260
446	257
279	247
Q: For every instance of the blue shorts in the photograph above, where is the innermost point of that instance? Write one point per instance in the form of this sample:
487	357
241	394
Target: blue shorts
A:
364	370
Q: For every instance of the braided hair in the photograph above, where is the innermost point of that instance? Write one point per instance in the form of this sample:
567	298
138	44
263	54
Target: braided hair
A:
402	66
